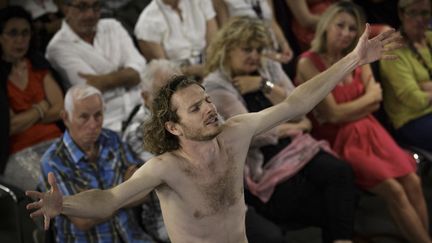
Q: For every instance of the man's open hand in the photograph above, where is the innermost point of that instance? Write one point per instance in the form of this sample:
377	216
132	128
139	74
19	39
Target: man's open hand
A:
49	204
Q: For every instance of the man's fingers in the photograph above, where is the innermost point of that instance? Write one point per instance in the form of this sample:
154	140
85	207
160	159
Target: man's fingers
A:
37	213
395	38
52	181
389	57
366	32
46	222
34	194
383	35
34	205
392	47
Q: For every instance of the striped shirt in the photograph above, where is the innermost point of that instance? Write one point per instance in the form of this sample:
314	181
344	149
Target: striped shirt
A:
75	174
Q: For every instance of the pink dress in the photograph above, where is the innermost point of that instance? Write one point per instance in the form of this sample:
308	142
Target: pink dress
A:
364	143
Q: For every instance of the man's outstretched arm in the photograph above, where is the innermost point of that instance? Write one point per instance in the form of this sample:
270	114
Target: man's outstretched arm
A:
95	203
309	94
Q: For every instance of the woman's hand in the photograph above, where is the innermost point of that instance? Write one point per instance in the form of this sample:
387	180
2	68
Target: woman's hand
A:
247	84
374	92
426	86
283	57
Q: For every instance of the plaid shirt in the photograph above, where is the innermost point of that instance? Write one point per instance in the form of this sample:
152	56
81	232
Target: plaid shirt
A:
74	174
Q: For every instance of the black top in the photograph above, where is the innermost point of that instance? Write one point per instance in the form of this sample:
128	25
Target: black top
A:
255	102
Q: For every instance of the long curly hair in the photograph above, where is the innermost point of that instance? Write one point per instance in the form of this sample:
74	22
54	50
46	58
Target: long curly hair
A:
157	139
238	32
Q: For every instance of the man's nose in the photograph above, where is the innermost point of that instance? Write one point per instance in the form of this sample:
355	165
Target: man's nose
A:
93	122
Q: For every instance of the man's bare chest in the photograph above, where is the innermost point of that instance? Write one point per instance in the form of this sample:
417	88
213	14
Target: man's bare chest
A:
217	186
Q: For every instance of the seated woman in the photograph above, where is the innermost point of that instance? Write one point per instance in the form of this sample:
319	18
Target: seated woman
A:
407	82
262	9
344	118
291	178
177	30
34	97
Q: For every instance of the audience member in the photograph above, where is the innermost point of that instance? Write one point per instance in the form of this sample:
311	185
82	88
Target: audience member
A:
125	11
177	30
306	14
344	118
291	177
47	19
199	167
407	83
98	52
262	9
89	157
258	229
156	76
34	97
380	11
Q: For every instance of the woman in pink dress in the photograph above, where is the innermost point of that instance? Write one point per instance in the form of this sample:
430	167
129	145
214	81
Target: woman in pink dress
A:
344	118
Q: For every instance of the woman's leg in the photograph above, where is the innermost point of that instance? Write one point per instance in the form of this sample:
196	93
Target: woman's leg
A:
335	179
417	133
412	186
402	210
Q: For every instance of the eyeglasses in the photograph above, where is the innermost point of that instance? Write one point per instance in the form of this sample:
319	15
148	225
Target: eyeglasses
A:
82	7
413	14
14	33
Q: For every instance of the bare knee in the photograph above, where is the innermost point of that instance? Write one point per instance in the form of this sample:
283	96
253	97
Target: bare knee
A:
411	182
392	192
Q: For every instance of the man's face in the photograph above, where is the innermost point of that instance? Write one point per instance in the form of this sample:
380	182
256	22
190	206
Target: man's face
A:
83	16
199	120
85	122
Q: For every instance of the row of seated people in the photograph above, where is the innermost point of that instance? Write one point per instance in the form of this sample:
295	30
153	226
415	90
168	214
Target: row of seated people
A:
161	25
38	112
161	32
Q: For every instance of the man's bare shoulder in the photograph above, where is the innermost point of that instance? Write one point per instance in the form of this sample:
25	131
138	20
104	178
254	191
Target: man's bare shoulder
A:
163	161
238	124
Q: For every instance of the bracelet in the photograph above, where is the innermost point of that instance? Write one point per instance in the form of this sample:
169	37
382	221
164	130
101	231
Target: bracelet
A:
38	109
266	86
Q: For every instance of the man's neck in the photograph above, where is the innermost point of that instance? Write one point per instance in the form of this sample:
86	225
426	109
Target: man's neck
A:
91	151
172	3
200	151
87	37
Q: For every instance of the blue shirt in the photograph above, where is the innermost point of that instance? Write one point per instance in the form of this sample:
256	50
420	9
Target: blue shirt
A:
75	174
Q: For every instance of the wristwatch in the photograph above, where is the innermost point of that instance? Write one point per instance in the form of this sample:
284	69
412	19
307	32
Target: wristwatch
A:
266	86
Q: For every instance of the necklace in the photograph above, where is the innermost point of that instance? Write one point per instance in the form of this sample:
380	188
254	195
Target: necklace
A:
416	53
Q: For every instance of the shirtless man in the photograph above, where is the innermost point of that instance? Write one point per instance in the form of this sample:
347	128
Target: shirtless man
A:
198	173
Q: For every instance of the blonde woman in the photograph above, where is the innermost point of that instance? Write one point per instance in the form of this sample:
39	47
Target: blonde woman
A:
291	177
344	118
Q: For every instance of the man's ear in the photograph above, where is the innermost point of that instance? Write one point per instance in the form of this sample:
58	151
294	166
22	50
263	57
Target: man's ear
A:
65	117
173	128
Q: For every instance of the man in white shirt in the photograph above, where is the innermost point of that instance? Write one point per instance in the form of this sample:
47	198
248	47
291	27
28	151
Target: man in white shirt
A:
100	53
177	30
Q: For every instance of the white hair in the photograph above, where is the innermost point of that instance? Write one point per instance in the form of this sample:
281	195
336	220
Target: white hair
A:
155	66
79	92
